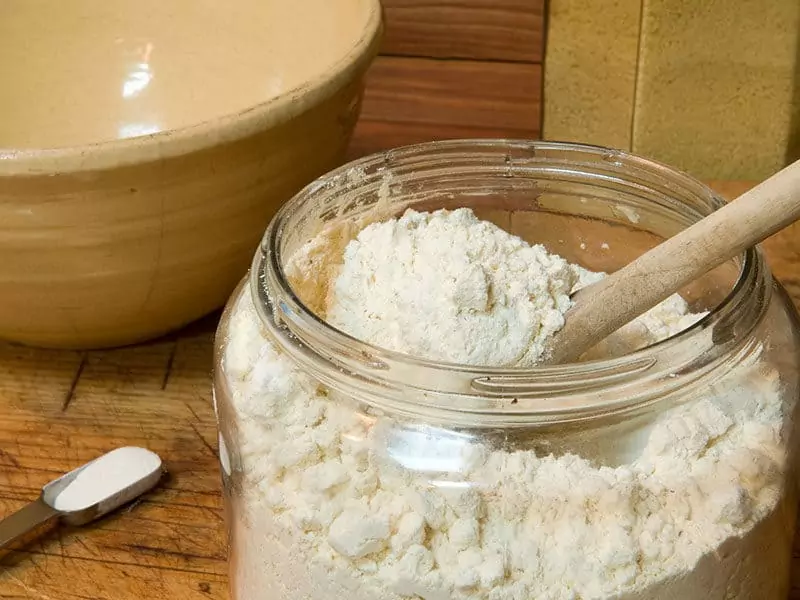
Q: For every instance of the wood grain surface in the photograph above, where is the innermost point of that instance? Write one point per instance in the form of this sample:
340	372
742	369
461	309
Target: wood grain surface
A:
503	30
411	100
455	69
61	409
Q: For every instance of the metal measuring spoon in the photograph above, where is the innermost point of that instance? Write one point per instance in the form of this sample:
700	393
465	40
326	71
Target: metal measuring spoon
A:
120	491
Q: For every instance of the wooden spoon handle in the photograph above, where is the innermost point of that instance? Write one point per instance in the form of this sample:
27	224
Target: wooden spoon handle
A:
607	305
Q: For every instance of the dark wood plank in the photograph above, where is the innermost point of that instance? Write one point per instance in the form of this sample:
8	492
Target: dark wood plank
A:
510	30
411	100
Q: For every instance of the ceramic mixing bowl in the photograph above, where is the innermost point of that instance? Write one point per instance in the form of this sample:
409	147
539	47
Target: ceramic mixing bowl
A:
144	146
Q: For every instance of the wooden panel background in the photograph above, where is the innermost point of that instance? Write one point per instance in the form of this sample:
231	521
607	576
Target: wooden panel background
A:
454	69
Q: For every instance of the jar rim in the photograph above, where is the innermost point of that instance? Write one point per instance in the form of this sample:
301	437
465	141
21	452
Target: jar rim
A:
344	362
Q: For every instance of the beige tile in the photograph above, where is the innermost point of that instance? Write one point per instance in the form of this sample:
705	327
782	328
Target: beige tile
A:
716	85
590	67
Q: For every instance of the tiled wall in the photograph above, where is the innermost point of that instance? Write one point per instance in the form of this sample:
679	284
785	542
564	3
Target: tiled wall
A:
711	86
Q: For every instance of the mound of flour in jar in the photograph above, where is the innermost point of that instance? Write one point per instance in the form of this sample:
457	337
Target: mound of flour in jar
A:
337	503
448	286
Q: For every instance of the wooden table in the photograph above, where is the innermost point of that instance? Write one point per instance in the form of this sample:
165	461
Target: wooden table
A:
61	409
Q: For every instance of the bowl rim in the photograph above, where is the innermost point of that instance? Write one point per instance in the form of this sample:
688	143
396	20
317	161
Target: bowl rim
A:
168	143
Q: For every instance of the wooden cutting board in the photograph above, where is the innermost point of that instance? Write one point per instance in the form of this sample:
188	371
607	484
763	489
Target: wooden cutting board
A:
61	409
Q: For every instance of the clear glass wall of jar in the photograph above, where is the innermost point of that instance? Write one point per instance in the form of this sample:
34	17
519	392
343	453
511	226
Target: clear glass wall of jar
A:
352	472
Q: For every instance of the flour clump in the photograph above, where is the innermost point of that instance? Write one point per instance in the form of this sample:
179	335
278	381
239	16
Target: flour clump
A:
447	286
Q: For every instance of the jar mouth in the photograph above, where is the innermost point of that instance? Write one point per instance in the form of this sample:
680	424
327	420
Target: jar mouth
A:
388	182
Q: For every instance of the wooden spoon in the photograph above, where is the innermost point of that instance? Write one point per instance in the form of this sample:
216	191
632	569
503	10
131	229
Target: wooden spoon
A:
605	306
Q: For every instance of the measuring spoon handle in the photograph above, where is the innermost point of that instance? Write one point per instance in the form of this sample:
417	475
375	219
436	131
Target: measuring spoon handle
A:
24	520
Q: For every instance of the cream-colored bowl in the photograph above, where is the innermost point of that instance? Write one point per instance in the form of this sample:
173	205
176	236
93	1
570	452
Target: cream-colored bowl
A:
144	146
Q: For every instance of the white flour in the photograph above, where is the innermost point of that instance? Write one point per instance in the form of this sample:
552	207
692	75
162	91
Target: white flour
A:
493	299
339	505
106	476
490	298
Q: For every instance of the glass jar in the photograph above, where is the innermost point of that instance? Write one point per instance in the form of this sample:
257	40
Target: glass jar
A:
353	472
